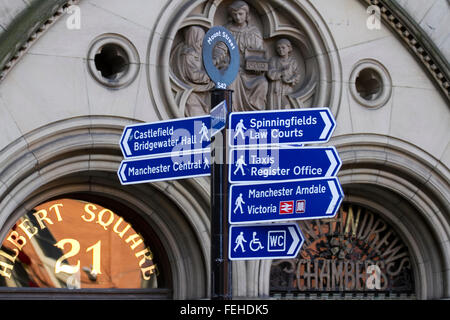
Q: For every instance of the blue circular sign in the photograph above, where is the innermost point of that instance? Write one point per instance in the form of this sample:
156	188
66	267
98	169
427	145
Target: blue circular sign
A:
215	58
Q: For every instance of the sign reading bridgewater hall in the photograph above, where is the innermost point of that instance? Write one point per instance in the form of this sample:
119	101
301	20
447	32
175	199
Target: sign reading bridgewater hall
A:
163	137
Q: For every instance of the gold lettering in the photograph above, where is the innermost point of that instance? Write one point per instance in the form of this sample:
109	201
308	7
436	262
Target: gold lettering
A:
351	222
16	239
87	210
121	233
325	275
337	276
40	216
6	268
135	243
100	218
29	229
150	269
349	275
148	255
56	208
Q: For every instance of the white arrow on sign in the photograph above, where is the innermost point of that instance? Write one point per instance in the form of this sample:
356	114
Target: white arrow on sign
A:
295	242
335	197
333	163
125	142
328	125
122	172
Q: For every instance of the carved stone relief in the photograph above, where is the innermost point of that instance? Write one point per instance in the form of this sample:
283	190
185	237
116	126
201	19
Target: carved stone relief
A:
284	61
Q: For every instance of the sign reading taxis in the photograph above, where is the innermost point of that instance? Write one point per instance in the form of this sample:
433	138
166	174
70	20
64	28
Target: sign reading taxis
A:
75	244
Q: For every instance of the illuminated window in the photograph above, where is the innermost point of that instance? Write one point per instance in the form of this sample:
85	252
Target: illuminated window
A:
73	244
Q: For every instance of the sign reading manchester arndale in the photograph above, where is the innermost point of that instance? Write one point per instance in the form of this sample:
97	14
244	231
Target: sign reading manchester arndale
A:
272	241
280	127
170	167
163	137
281	164
280	201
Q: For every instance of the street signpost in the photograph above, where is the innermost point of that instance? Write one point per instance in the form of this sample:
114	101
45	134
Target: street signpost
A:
282	201
280	127
169	167
270	241
219	116
281	164
163	137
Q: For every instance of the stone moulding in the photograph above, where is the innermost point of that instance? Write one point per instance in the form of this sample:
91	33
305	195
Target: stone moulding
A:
323	84
417	41
26	28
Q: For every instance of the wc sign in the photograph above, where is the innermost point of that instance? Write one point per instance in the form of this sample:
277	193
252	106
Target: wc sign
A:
277	240
264	241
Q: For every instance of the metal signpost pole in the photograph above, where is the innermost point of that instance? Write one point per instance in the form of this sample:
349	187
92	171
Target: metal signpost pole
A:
220	266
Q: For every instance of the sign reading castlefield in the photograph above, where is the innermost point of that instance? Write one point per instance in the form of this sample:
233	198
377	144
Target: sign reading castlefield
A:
282	164
296	200
270	241
163	137
281	127
170	167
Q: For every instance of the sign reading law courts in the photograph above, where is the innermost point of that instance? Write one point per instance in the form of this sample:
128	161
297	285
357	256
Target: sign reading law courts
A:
279	201
175	166
149	139
276	164
273	241
281	127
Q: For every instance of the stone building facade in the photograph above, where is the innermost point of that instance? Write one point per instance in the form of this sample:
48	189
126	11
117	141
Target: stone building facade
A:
73	74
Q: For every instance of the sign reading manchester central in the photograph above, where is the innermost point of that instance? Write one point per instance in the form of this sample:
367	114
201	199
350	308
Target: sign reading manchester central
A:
281	201
281	164
280	127
163	137
176	166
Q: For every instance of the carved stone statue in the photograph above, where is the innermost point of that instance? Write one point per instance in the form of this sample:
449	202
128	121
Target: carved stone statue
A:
187	64
284	74
251	85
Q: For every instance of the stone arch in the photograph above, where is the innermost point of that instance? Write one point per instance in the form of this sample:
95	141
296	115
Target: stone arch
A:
322	87
403	184
81	155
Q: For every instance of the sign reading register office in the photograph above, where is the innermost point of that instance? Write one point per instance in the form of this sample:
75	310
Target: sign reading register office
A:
66	95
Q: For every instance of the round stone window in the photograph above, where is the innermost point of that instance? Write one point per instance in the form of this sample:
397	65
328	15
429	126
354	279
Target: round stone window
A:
370	84
113	61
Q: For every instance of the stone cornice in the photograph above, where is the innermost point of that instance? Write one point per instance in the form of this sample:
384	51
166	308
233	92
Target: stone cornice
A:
417	42
30	24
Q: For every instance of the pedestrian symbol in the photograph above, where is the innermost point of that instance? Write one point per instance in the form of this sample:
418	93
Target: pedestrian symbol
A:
239	165
238	203
204	132
239	127
239	242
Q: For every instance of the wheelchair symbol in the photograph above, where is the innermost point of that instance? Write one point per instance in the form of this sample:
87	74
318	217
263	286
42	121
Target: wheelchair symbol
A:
255	244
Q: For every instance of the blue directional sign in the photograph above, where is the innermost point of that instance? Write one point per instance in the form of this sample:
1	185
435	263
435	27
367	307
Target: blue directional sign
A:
281	164
282	201
281	127
170	167
273	241
218	117
163	137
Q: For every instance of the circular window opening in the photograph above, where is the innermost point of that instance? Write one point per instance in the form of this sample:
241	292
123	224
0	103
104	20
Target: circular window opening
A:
369	84
113	61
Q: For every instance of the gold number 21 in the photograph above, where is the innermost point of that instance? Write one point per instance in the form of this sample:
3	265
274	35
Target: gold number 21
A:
73	251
